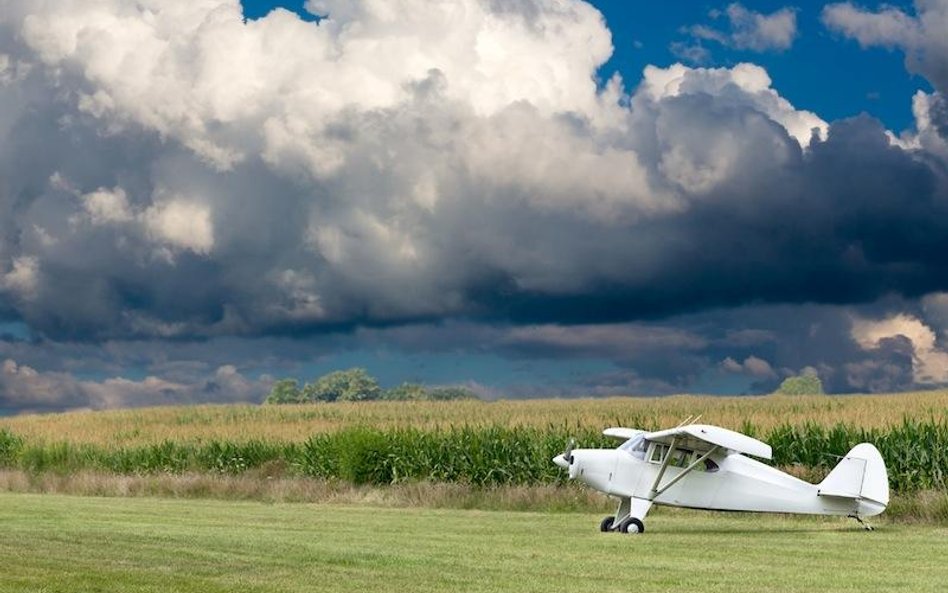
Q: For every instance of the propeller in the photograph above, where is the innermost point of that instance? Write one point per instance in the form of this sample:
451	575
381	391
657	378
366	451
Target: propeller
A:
568	451
565	459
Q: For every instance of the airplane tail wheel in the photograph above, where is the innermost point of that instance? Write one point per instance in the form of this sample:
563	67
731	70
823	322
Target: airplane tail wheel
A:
632	525
606	524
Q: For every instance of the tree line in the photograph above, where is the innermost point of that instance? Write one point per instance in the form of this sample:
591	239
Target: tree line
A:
356	384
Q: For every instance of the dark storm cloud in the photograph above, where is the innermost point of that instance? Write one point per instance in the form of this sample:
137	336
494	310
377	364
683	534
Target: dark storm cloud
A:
174	178
432	207
848	222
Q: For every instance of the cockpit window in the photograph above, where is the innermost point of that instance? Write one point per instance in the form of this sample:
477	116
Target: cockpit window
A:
679	458
635	446
658	453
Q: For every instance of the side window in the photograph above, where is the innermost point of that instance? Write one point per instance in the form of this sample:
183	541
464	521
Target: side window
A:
681	458
658	453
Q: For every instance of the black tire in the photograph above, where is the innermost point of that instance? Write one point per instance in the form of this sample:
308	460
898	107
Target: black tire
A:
632	525
606	524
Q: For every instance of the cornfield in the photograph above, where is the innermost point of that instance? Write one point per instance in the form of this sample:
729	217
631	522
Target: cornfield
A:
916	453
119	429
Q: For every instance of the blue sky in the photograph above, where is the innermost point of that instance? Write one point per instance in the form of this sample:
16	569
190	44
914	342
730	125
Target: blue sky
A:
197	202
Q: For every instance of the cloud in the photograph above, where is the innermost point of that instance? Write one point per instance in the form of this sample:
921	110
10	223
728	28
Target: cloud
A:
25	389
921	37
692	53
929	361
743	85
889	368
890	27
752	366
935	310
374	170
751	30
21	281
178	178
105	206
616	341
181	223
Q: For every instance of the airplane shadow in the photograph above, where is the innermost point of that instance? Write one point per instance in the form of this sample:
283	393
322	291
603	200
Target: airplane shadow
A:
739	523
758	531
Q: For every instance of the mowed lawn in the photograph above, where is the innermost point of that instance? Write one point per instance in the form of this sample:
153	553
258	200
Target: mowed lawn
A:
51	543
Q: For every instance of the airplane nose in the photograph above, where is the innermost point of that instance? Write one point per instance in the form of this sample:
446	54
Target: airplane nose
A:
560	460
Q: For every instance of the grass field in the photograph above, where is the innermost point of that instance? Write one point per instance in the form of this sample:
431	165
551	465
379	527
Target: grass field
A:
76	544
295	423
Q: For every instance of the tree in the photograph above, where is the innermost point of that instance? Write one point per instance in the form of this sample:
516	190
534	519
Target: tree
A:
285	391
450	393
356	384
405	392
418	392
807	383
349	385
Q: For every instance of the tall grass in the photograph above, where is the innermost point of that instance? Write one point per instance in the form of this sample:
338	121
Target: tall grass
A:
166	457
479	456
10	446
915	452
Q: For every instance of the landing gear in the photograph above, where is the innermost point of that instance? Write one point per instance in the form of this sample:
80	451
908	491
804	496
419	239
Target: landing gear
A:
628	525
628	517
865	525
606	524
632	525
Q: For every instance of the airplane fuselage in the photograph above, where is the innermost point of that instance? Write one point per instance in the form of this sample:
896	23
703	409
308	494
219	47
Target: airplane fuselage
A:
730	482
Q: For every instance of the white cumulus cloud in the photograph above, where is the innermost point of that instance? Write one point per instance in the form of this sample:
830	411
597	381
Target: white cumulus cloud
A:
181	223
744	84
105	206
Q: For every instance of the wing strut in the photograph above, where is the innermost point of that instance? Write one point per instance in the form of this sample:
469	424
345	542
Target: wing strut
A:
661	472
687	470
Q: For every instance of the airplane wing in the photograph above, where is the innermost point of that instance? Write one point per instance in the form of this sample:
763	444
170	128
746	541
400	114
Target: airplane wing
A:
699	436
618	432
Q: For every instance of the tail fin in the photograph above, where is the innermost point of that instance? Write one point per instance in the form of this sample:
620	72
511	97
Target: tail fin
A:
861	475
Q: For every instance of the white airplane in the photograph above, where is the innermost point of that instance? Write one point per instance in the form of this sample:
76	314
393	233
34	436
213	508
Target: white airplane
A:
700	466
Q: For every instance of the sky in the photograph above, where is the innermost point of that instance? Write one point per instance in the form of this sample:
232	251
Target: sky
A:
524	197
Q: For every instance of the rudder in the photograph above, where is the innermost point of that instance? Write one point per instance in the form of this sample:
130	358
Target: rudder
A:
860	475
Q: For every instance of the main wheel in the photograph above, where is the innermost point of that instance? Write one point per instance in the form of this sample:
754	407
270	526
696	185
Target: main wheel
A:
632	525
606	524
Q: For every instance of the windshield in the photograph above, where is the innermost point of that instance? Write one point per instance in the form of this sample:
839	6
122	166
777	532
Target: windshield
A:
635	446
